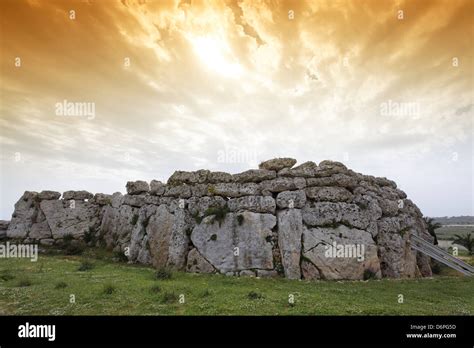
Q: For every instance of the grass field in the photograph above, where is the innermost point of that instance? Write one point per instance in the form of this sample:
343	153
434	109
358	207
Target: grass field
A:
447	232
104	287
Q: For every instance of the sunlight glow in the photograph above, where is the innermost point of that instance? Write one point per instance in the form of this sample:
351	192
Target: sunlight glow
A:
216	55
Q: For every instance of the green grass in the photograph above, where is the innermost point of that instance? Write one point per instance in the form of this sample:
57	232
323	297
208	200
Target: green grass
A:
447	232
113	288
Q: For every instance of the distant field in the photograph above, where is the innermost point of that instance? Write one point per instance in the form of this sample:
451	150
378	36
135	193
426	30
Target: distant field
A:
112	288
447	232
455	220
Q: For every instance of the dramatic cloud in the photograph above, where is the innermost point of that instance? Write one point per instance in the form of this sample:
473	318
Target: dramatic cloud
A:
384	86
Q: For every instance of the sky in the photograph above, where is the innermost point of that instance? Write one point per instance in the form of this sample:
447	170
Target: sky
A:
386	87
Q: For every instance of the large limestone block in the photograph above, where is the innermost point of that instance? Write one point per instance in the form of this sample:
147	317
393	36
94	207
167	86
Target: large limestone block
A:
361	252
28	220
179	240
389	207
423	263
329	194
309	271
281	184
117	224
139	245
198	264
181	191
305	170
386	182
137	187
291	199
150	199
277	164
117	199
354	216
167	238
216	177
234	190
339	180
322	213
397	258
159	235
102	199
369	204
328	168
290	229
197	206
199	190
254	175
134	200
328	213
257	204
250	234
327	164
77	195
181	177
24	215
157	188
40	229
46	195
65	218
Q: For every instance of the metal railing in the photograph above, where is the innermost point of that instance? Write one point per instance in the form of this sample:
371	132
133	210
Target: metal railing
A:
440	255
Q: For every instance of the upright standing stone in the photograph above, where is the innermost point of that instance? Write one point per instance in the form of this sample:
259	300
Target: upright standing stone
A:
290	229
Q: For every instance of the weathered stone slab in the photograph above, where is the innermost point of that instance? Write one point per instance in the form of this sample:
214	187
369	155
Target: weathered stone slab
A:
181	177
277	164
291	199
65	218
137	187
281	184
157	188
329	194
305	170
339	180
290	229
181	191
134	200
24	215
102	199
358	257
77	195
217	242
234	190
322	214
167	237
256	204
254	175
219	177
198	264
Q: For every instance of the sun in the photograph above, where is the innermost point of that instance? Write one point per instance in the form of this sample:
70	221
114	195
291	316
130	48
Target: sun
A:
216	55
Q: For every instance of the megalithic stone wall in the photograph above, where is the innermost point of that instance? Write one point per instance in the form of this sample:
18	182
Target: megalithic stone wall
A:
275	220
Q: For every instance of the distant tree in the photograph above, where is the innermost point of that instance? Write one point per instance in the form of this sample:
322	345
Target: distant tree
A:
466	241
432	226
